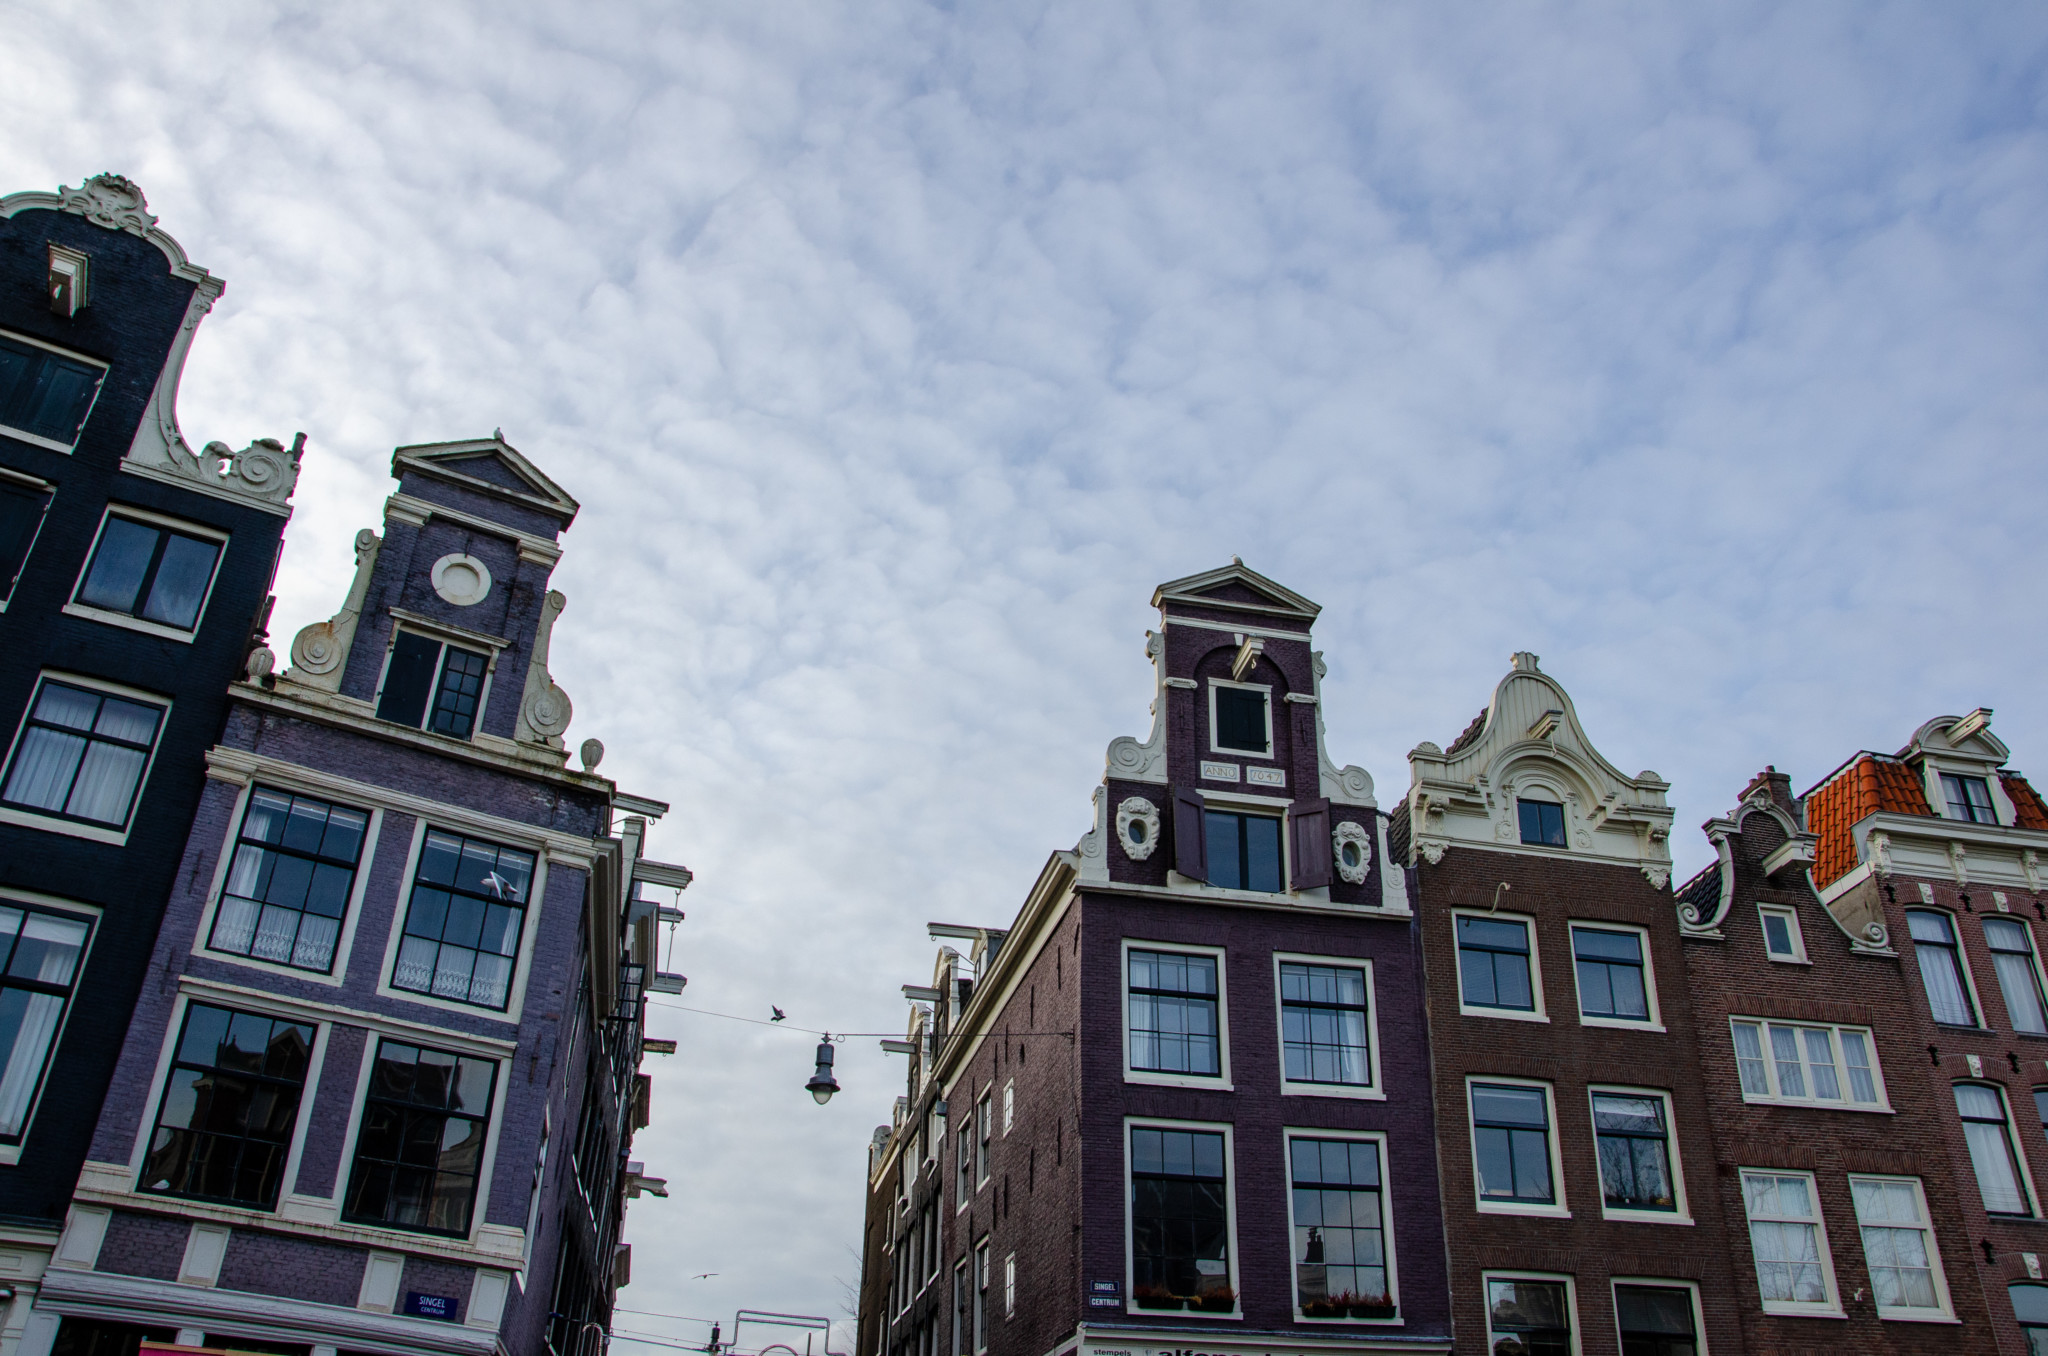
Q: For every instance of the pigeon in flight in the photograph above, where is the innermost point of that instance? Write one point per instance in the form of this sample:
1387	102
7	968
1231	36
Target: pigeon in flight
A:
704	1275
500	887
780	1015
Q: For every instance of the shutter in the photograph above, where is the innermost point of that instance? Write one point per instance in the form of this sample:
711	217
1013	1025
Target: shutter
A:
1190	847
1311	821
408	679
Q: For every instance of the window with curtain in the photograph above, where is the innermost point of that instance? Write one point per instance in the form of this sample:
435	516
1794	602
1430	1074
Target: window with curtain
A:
229	1107
150	572
293	871
1322	1024
1511	1144
1633	1141
1822	1065
1969	799
1172	1003
1610	965
82	753
39	955
462	926
1941	971
1991	1149
1898	1243
421	1146
1180	1221
1340	1255
1785	1239
45	394
2012	955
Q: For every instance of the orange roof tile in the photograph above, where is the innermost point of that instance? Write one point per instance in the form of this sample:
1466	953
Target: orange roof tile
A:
1861	788
2026	801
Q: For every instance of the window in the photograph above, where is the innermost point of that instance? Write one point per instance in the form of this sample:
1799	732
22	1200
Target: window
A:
1009	1105
294	870
1612	974
2012	955
1655	1320
1340	1252
82	754
1823	1065
1542	822
1175	1017
1632	1138
1244	851
1789	1243
463	924
2030	1307
39	956
981	1296
963	1163
1323	1025
963	1311
149	572
45	394
229	1107
1010	1286
1969	799
1494	970
1941	973
1898	1243
421	1146
1239	719
1527	1317
435	685
1782	941
22	507
983	1127
1999	1180
1180	1220
1511	1148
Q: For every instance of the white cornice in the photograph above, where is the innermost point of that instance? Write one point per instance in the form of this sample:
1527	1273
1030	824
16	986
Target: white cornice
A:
407	508
111	201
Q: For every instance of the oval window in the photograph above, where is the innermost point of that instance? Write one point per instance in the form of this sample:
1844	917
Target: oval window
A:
1350	855
1137	831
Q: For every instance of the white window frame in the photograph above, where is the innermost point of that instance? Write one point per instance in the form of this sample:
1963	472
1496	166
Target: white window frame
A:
1654	1021
978	1282
1373	1089
34	484
2033	962
1571	1297
1692	1288
1377	1138
444	635
344	944
1220	1080
494	1125
1980	1018
1791	917
92	916
36	439
1883	1105
1255	807
963	1168
48	823
1009	1106
1264	689
984	1138
1010	1286
1559	1208
529	927
73	608
1528	922
1681	1211
1908	1315
1830	1307
1229	1133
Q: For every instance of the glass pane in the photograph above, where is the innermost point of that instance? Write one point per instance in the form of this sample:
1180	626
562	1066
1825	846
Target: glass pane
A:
1497	1105
1778	934
1262	854
120	565
181	579
43	768
1226	859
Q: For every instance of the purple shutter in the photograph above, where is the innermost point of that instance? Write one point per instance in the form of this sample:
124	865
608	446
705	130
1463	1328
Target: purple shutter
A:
1311	821
1190	846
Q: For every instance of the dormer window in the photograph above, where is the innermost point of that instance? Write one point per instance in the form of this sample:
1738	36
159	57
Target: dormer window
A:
1542	822
44	394
1240	718
1969	799
434	685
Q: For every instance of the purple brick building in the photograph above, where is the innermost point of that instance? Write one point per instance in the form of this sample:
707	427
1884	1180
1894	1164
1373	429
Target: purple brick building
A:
1182	1102
382	1073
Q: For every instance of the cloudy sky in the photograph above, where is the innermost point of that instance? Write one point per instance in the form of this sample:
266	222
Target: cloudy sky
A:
896	351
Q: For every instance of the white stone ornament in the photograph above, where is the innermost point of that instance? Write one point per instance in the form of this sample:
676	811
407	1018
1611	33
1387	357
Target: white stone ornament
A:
1137	827
544	709
462	580
592	753
1351	850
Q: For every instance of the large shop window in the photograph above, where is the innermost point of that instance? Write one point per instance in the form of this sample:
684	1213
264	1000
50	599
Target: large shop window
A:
463	923
1786	1238
1493	964
421	1147
432	684
229	1106
22	506
45	394
1633	1136
1656	1320
1511	1144
294	870
1898	1243
1986	1131
1323	1016
1941	971
1526	1317
1180	1221
150	572
2019	978
1812	1065
82	754
39	955
1244	851
1175	1021
1340	1252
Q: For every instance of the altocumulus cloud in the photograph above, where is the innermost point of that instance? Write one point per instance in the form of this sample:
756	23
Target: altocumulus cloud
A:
895	351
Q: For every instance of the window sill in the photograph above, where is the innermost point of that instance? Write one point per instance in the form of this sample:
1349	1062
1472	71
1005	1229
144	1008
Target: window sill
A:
37	440
1645	1216
332	978
1623	1024
1536	1211
1322	1321
1806	1105
1801	1311
70	828
1139	1311
123	620
1908	1316
1503	1014
1356	1094
1212	1082
1787	960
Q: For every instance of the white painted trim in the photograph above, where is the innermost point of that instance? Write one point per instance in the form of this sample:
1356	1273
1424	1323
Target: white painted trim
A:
1963	966
1374	1089
1229	1133
1558	1208
1378	1139
1681	1213
1219	1081
206	1247
421	511
1692	1288
321	1010
1791	916
1265	690
1655	1021
1539	1013
1883	1105
2033	962
73	828
1571	1296
1832	1306
164	522
1941	1294
36	439
2014	1145
494	1125
1232	628
522	963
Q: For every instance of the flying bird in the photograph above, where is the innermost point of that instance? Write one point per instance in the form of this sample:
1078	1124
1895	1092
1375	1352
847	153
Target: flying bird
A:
779	1016
500	887
704	1275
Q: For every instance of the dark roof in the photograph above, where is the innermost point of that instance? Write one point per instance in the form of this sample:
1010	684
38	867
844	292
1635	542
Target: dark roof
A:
1471	731
1703	892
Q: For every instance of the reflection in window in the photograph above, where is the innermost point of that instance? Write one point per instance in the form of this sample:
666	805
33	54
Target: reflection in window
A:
1969	799
229	1107
1240	719
1991	1150
2030	1307
1635	1151
1173	1014
1542	822
21	519
82	754
463	924
1529	1318
1781	934
1322	1024
1941	974
1784	1237
294	869
2013	958
422	1141
1610	969
38	967
45	394
433	686
154	573
1180	1223
1655	1320
1244	851
1340	1259
1493	964
1898	1245
1511	1144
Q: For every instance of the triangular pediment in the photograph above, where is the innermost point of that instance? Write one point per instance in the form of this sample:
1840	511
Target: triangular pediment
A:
490	465
1236	587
